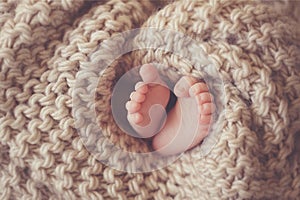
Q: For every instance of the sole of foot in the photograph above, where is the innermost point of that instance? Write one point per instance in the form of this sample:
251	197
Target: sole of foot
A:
146	108
188	123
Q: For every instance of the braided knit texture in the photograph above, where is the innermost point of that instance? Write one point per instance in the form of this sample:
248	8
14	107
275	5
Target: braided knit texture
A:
254	47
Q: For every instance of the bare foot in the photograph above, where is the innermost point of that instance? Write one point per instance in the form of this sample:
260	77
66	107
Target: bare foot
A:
189	121
146	109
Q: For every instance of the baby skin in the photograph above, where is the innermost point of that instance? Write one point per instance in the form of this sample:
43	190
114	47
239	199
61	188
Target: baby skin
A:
186	124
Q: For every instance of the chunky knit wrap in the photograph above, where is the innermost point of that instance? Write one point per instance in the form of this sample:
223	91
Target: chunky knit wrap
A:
47	46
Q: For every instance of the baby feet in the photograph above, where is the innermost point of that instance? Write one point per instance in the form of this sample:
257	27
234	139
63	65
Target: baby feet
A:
185	126
146	108
189	121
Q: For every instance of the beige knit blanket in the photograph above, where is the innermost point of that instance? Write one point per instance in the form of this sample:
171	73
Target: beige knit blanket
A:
50	53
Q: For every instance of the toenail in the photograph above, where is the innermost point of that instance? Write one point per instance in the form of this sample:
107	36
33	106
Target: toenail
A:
184	84
194	90
205	107
180	88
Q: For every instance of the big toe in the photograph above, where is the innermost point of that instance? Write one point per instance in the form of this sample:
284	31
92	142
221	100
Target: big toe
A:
150	74
181	89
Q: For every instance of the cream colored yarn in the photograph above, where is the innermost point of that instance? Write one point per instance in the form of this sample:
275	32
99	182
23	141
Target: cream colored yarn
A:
42	47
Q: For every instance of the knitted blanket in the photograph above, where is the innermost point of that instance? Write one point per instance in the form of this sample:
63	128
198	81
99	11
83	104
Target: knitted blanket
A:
57	127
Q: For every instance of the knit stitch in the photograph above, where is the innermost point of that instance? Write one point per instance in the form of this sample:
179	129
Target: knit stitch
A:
45	46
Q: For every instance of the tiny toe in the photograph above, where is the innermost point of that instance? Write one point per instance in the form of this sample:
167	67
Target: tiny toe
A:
137	97
181	89
204	97
135	118
150	74
205	119
198	88
207	108
132	106
141	87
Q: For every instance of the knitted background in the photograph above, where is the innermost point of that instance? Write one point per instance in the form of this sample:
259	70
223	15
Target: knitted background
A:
253	46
